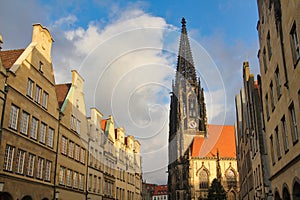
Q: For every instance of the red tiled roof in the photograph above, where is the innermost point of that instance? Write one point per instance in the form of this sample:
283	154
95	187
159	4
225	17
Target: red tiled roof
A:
61	92
220	137
160	190
9	57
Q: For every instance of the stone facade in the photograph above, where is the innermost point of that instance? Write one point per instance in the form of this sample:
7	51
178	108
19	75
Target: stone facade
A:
253	162
30	120
49	148
279	30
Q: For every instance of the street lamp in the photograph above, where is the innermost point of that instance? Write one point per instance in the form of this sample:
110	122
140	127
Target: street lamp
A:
1	186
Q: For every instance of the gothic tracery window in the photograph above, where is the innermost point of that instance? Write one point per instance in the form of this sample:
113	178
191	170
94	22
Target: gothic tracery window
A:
192	106
231	178
203	176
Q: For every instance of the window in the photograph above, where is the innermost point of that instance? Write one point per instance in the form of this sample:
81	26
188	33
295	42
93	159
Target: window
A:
37	96
69	178
75	179
231	179
272	96
272	147
278	143
20	161
13	119
34	128
73	121
285	134
77	152
71	149
90	182
82	155
41	64
62	172
203	175
80	180
9	158
278	84
269	46
192	106
78	126
48	170
265	60
293	123
64	141
295	44
45	99
40	165
29	90
30	165
267	106
43	132
50	137
24	123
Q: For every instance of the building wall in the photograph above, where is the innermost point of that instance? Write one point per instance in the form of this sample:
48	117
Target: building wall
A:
278	22
34	64
73	146
209	165
76	157
253	159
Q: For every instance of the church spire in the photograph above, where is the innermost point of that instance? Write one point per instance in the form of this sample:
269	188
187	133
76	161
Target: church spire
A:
185	64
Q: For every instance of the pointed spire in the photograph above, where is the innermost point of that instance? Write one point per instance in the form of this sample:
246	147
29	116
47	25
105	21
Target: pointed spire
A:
185	63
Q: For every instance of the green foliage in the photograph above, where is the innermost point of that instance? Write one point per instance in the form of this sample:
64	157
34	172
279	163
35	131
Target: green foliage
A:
216	191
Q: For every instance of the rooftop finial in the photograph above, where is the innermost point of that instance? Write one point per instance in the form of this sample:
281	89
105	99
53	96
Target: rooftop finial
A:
1	41
183	22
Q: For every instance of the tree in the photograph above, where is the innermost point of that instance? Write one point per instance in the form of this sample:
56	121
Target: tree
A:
216	191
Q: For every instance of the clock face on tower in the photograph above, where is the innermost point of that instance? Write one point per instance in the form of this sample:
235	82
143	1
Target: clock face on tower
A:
192	124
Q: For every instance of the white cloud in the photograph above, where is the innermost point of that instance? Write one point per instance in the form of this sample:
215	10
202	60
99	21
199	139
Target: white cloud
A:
127	74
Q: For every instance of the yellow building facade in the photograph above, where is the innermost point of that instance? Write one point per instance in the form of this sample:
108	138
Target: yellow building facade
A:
49	148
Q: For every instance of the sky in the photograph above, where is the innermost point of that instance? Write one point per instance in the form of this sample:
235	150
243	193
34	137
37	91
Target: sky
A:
126	52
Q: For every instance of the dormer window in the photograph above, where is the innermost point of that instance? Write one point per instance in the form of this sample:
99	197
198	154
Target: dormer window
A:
41	66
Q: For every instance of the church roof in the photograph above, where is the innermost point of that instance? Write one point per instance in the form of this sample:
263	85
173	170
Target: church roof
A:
9	57
220	138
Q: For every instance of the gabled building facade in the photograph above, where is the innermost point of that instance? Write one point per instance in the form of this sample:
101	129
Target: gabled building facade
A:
30	120
95	187
71	165
49	148
279	30
253	162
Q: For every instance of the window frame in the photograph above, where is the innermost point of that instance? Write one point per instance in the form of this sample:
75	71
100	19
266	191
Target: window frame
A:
30	86
14	116
24	124
37	95
34	126
9	158
295	46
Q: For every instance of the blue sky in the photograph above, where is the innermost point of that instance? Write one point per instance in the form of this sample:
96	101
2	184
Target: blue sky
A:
126	52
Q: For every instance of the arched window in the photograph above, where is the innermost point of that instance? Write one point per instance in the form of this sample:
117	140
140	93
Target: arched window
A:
277	197
203	177
231	195
285	194
192	105
231	179
296	191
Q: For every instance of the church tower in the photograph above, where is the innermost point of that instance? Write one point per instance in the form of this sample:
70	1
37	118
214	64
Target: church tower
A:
187	113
